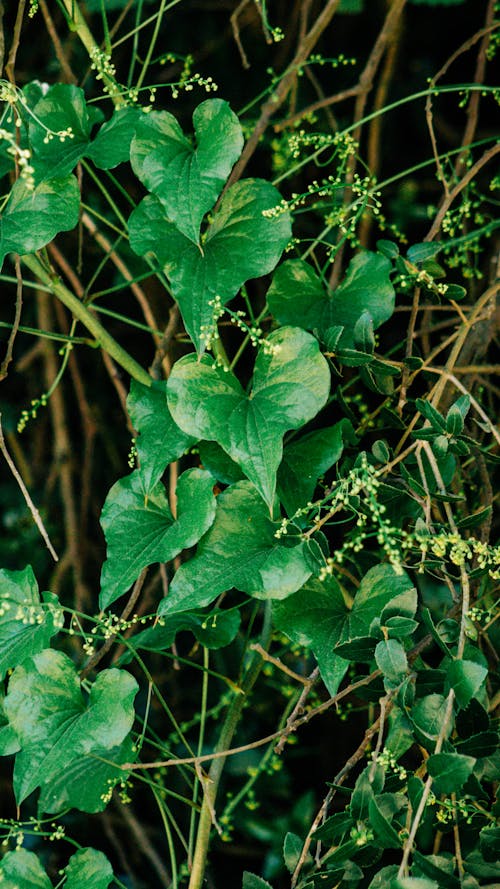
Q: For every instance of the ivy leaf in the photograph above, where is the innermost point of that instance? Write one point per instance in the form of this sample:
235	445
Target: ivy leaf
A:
140	528
32	218
318	617
465	678
298	296
187	180
26	626
240	243
62	107
88	869
111	145
305	460
449	771
56	727
240	550
160	440
22	868
391	660
291	382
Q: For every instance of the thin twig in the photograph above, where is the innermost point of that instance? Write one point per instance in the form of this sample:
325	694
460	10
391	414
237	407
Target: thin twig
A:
31	506
17	320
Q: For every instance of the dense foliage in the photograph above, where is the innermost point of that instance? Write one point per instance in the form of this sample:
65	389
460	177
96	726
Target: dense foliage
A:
248	571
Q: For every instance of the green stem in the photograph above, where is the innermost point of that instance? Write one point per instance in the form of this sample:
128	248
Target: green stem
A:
88	319
215	772
78	24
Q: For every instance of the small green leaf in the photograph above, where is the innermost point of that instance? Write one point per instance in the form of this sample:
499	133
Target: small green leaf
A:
430	413
363	336
387	248
402	605
88	869
22	870
111	145
428	714
426	250
454	421
239	244
292	847
449	771
213	630
32	218
360	649
391	660
187	180
140	529
160	440
465	678
489	842
306	459
385	835
252	881
414	883
291	382
369	783
298	296
26	626
57	728
240	550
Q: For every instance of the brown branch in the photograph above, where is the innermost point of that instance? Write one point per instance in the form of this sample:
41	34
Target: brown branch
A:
161	355
58	49
16	38
31	506
17	319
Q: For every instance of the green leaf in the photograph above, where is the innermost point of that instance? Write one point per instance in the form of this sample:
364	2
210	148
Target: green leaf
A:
449	771
489	842
368	783
57	728
240	243
88	869
213	630
62	107
402	605
385	835
252	881
160	440
32	218
291	382
26	626
187	180
426	250
465	678
111	145
306	459
479	745
430	413
22	870
360	648
297	296
391	660
240	550
428	713
222	467
292	847
318	617
414	883
140	528
363	336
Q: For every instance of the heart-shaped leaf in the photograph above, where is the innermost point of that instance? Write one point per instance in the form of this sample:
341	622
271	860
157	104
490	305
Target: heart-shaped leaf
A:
290	385
33	217
57	728
298	296
26	626
240	550
160	440
88	869
241	243
187	180
318	617
22	868
140	528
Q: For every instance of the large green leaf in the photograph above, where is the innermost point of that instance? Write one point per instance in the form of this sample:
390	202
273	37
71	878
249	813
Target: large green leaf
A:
305	460
290	385
56	727
140	528
22	870
240	550
88	869
298	296
318	616
187	180
63	106
241	243
160	440
26	626
465	678
32	218
213	630
449	771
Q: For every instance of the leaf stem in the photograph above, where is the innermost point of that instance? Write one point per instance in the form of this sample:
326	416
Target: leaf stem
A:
88	319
